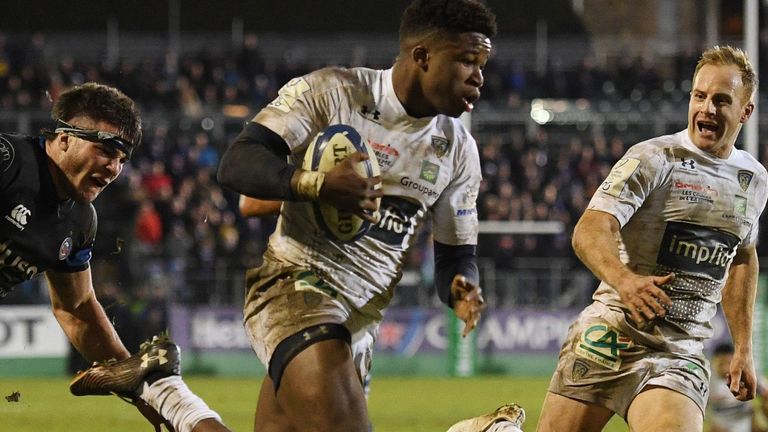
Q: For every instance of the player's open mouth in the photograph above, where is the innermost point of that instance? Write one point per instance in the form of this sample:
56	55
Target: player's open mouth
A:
469	103
707	128
100	182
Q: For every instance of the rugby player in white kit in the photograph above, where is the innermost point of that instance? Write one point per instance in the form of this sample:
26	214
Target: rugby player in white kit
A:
313	308
670	233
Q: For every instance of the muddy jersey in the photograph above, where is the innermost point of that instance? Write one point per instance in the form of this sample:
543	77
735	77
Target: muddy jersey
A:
685	211
427	164
38	232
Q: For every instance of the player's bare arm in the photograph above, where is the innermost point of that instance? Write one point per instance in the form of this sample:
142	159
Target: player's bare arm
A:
594	241
81	316
738	305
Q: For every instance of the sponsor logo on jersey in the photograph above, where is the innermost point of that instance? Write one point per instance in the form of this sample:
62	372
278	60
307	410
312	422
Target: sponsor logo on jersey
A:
440	145
370	114
7	154
289	93
385	154
740	205
620	173
694	192
10	259
603	345
745	178
688	163
429	171
742	220
65	248
697	249
398	221
18	216
411	184
466	212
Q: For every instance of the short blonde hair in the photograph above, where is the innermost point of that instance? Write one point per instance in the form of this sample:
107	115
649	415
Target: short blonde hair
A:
728	55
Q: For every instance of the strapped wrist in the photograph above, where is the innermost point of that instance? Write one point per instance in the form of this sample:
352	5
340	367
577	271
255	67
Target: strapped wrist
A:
306	185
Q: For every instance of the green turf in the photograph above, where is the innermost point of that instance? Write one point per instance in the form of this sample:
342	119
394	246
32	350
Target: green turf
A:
396	405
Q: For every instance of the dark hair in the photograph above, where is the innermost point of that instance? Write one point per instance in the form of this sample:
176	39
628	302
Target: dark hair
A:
100	103
454	16
723	348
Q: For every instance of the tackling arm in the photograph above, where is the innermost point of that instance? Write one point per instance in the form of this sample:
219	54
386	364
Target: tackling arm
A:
738	305
81	316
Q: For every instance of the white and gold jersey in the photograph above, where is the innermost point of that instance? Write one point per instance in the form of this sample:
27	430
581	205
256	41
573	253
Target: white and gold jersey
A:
685	211
427	164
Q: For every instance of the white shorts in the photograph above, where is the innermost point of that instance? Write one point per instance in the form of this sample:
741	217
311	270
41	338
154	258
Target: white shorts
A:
607	361
284	300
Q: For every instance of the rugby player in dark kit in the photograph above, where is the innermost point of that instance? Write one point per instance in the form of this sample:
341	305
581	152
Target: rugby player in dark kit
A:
48	226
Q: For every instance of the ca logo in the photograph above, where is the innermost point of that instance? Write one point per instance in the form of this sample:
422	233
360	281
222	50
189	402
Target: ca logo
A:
603	345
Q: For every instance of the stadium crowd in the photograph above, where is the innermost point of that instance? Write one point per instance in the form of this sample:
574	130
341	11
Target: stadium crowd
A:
168	232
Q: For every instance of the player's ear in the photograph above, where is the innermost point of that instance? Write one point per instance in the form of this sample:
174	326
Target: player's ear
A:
420	56
63	141
747	111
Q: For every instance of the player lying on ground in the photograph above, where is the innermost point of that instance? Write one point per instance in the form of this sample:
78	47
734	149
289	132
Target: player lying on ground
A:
47	184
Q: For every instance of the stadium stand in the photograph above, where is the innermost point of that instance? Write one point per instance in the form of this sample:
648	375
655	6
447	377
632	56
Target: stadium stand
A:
169	232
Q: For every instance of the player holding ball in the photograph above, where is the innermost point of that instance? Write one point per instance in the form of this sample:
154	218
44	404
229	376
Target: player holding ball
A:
313	308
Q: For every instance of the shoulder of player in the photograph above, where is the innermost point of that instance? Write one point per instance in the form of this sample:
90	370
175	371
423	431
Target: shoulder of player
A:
336	77
454	130
84	216
655	147
749	161
453	127
15	150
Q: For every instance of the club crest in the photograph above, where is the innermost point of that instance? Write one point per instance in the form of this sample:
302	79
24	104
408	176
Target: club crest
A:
441	145
65	248
580	369
745	178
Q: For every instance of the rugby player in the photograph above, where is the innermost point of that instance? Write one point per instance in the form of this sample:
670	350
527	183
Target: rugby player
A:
313	308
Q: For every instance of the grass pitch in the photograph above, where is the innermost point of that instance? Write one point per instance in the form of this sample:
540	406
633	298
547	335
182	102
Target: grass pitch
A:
396	405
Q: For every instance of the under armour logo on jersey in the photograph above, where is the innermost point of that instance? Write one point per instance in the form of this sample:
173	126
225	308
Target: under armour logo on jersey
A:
160	357
18	216
371	114
687	163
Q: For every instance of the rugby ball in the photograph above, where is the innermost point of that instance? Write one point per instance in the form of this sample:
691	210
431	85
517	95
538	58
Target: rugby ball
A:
329	149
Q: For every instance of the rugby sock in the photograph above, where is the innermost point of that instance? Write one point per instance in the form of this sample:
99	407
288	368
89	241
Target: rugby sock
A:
175	402
503	426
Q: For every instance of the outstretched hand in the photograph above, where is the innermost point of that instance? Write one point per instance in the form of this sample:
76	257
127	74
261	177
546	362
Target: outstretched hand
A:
468	302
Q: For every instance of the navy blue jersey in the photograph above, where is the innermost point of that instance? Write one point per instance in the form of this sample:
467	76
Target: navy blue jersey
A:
38	231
